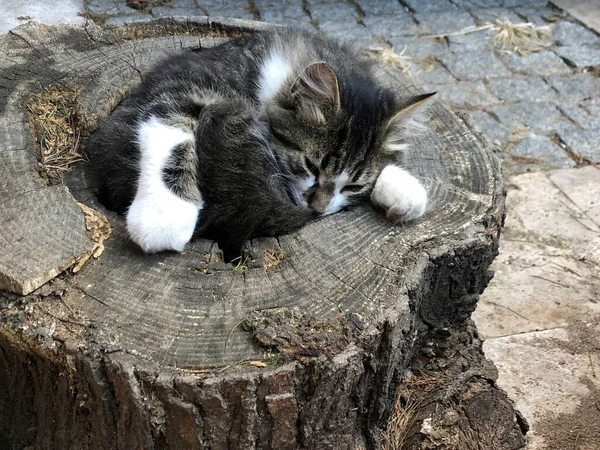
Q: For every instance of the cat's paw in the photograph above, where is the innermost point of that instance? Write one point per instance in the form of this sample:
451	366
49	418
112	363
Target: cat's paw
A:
157	225
400	194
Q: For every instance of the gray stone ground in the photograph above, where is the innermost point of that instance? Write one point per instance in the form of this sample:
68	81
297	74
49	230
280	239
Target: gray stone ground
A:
541	109
16	12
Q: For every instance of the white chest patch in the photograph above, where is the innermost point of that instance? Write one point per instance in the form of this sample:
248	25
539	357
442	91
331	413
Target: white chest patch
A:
273	73
158	219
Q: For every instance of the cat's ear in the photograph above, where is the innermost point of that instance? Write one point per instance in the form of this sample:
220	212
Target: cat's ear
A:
409	118
316	93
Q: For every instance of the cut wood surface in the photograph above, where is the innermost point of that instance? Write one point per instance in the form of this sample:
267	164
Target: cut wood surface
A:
300	344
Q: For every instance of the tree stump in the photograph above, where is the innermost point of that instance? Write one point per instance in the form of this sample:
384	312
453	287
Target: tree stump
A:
302	344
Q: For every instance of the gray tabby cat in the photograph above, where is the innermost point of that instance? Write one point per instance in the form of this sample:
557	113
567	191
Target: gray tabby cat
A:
256	136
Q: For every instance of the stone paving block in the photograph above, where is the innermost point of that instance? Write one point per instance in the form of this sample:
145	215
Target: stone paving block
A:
492	14
541	213
323	2
14	13
539	16
512	165
348	32
587	13
223	3
480	40
281	4
582	186
444	21
549	376
466	94
339	12
128	19
475	65
304	24
542	63
585	143
576	87
478	3
494	130
430	5
381	7
506	117
549	251
517	300
569	33
592	106
418	48
585	114
292	15
518	89
580	56
182	4
430	71
542	116
432	87
515	3
391	26
541	148
236	12
109	7
160	11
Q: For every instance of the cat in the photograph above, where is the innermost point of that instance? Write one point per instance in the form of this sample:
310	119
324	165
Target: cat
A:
254	137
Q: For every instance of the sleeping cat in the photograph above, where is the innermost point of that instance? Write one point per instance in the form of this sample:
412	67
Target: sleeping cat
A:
254	137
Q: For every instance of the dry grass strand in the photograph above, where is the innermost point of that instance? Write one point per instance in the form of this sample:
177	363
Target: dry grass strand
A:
521	38
398	60
272	257
404	416
411	399
54	124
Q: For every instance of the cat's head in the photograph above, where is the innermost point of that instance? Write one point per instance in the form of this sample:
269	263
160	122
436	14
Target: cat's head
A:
335	135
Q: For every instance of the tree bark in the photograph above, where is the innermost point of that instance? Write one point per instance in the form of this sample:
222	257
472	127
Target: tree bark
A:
303	345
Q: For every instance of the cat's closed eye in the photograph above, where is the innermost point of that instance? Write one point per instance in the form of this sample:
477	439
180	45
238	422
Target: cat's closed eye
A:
311	166
352	189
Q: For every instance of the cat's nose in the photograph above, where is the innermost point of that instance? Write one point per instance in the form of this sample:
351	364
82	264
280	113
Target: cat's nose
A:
320	197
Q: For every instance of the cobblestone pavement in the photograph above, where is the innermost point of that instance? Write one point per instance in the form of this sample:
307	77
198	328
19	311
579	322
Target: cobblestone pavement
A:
542	108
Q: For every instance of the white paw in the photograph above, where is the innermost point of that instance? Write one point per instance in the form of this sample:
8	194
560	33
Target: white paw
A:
158	219
161	224
400	194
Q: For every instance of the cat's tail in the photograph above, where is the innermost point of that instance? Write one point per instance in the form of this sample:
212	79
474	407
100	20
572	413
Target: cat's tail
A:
284	219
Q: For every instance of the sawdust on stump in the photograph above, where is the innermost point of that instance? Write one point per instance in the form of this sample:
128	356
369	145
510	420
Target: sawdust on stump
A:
98	230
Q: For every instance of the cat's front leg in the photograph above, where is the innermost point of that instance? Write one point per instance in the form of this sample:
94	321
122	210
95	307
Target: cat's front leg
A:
400	194
160	219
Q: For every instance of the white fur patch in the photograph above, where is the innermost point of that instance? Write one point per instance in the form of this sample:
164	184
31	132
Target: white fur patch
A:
339	200
300	187
273	73
391	146
401	195
158	219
